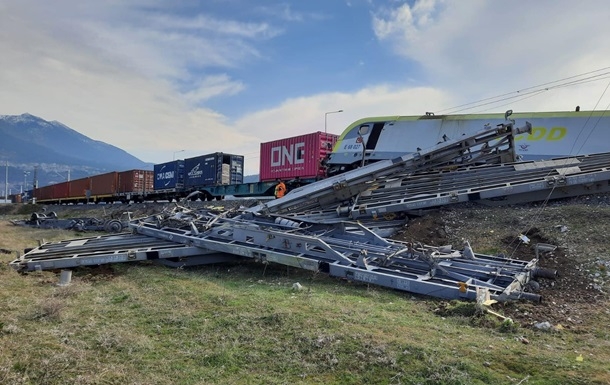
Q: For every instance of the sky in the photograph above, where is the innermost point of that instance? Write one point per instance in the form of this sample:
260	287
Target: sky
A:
164	79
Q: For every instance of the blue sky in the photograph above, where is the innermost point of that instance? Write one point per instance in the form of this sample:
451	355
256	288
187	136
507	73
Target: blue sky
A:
155	77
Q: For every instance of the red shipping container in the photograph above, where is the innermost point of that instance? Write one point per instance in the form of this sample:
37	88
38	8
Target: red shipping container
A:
61	190
299	156
138	181
42	192
45	193
104	184
79	187
53	192
149	180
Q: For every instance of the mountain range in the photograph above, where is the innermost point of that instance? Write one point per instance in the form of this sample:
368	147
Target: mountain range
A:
47	152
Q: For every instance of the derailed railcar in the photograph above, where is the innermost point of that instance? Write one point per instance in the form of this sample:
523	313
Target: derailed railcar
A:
554	134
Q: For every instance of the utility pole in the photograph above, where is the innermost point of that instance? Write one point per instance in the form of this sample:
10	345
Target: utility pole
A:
6	183
25	181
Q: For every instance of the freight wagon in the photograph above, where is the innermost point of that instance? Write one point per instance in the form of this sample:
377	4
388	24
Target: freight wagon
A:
134	183
209	174
297	160
123	186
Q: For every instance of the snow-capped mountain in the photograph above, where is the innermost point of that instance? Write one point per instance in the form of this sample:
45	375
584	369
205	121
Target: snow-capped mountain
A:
52	152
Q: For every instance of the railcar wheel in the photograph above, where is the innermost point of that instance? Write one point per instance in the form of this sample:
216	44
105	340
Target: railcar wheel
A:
113	226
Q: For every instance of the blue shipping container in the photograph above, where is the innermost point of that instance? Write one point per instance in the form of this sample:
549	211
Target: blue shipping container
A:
213	169
169	175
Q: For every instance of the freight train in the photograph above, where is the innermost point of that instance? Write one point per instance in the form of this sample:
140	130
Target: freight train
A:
297	160
306	158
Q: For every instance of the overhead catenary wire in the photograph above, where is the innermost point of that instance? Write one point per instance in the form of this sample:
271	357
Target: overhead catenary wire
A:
541	88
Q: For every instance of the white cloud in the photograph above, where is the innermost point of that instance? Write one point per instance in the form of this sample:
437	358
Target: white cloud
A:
172	46
482	48
215	25
285	12
216	85
107	72
132	37
405	22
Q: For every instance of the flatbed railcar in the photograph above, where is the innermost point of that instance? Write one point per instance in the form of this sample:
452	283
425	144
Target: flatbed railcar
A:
81	191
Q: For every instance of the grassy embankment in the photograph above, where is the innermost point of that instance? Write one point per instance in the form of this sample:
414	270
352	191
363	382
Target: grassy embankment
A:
243	324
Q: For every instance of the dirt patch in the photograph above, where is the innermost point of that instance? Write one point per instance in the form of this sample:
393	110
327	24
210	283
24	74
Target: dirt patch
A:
581	258
94	274
429	229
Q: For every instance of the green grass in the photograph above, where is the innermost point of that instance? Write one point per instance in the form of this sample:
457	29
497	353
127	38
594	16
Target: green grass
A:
243	324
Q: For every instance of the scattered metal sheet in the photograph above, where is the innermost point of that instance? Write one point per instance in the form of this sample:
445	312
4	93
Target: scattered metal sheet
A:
51	221
103	250
347	250
351	251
